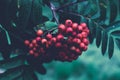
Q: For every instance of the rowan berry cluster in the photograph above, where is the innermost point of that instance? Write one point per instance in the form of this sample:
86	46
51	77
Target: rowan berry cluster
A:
66	45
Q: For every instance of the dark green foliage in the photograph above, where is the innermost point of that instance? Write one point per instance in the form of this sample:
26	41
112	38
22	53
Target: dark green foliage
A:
19	19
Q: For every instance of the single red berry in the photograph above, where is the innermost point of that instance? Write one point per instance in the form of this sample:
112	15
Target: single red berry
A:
85	41
84	25
60	37
39	33
82	45
80	28
31	52
79	36
26	42
86	30
61	28
53	40
73	48
74	40
85	48
74	26
84	34
58	44
69	30
38	39
34	41
49	36
30	45
74	34
44	41
68	22
78	51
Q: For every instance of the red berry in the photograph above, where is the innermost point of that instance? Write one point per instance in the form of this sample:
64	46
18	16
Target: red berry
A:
85	41
38	39
31	52
49	36
68	23
78	51
53	40
39	33
74	26
30	45
69	30
60	37
74	33
58	44
82	45
79	36
27	42
43	41
73	48
84	25
85	48
86	30
34	41
84	34
61	28
80	28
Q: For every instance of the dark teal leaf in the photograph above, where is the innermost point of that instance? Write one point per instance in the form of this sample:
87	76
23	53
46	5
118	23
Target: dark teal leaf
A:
50	25
11	74
118	42
107	18
13	62
7	35
24	13
111	46
36	12
46	11
104	42
117	4
98	36
97	14
116	34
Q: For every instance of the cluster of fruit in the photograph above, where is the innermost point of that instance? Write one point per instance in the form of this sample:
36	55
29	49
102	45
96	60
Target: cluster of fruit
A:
66	45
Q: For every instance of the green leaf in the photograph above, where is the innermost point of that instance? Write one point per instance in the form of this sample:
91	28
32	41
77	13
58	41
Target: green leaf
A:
104	42
107	18
111	46
117	4
7	35
36	12
11	74
98	36
50	25
46	11
12	62
24	13
118	42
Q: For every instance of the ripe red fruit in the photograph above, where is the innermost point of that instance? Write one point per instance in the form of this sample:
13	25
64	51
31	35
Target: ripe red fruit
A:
69	30
49	36
85	41
82	45
80	28
79	36
44	41
74	34
34	41
53	40
30	45
39	33
60	37
31	52
84	34
58	44
61	28
73	48
84	25
38	39
74	26
85	48
78	51
68	23
26	42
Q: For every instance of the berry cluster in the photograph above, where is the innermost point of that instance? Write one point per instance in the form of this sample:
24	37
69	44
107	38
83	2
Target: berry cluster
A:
66	45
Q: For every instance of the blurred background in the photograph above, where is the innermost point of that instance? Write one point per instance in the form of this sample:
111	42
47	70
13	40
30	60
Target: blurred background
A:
91	65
